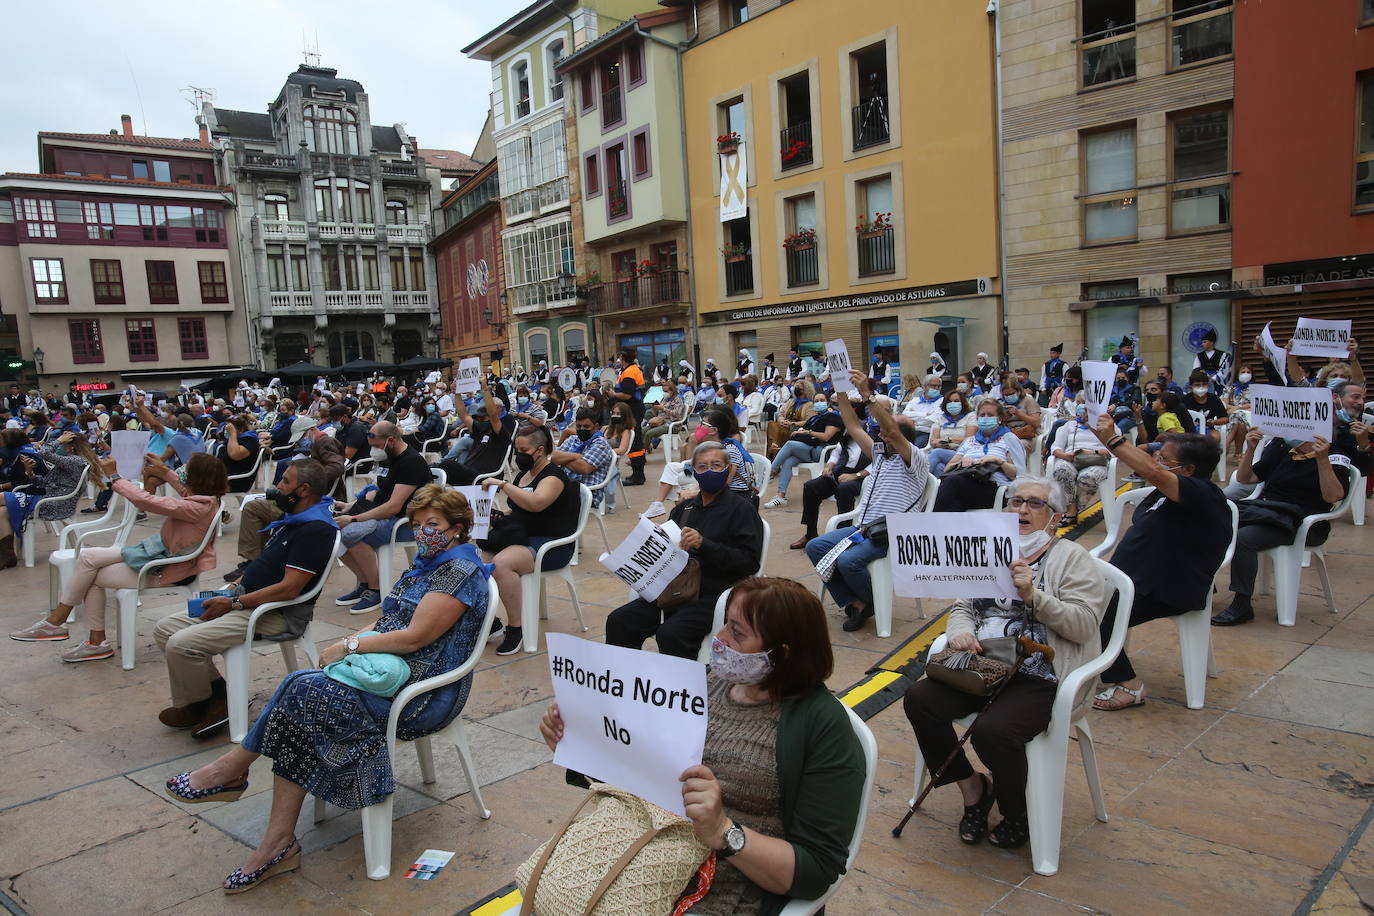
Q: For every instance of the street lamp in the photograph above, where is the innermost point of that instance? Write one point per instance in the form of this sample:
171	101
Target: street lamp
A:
38	355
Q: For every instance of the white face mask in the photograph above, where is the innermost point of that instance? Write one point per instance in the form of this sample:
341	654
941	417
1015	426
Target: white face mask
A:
1035	541
1201	390
379	455
1245	378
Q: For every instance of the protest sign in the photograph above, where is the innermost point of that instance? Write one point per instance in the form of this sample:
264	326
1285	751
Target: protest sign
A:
1292	413
609	376
953	554
469	376
837	362
1274	353
480	499
1315	337
1099	378
128	447
633	719
647	560
567	379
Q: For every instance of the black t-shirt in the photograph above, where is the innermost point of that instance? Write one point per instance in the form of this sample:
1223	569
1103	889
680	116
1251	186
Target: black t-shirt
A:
1296	482
236	466
560	518
308	547
1213	408
353	436
489	448
1172	549
409	467
819	423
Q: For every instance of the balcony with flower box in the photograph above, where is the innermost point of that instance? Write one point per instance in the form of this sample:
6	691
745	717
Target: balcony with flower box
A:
652	288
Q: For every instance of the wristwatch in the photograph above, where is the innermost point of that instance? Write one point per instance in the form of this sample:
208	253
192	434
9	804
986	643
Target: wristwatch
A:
734	841
236	603
351	644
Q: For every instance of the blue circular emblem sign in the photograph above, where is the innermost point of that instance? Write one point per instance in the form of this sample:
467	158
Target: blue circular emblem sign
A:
1191	338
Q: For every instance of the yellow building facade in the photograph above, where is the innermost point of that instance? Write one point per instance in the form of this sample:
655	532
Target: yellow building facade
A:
867	137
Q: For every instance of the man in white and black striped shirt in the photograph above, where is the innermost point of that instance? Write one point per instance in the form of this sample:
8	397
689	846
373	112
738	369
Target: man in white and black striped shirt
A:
896	483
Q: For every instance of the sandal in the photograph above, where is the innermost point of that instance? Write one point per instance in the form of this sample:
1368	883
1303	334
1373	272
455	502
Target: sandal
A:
1012	833
289	859
1109	701
179	787
973	826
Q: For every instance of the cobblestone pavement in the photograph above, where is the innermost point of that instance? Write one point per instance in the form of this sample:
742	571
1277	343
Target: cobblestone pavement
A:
1258	803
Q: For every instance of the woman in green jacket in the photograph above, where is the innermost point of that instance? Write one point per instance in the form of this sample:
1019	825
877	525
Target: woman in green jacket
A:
781	780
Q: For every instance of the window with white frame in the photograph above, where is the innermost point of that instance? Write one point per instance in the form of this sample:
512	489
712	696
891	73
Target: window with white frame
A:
552	52
40	217
520	88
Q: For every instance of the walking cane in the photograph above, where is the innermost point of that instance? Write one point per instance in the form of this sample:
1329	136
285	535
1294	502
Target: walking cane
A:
1026	647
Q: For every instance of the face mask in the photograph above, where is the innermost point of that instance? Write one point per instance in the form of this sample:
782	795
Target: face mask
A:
524	461
1334	380
1293	443
963	387
822	406
430	408
481	427
1245	378
589	402
932	393
585	434
286	502
1033	542
711	481
1345	415
429	540
1080	410
379	455
1012	399
954	408
1201	390
736	667
987	424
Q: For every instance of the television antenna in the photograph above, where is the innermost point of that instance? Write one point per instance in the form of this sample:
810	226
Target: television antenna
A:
197	96
311	57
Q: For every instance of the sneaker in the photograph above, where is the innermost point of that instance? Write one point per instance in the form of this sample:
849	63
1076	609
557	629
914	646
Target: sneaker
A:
497	629
369	601
777	502
85	652
655	509
513	642
350	598
42	631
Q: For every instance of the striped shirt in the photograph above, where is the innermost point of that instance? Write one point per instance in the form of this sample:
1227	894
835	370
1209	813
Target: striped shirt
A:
902	488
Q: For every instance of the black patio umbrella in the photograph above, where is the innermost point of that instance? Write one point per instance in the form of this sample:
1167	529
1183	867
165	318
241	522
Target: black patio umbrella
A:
363	367
423	364
304	369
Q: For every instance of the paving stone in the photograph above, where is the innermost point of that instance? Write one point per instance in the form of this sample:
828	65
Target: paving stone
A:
496	754
246	819
1299	699
1337	665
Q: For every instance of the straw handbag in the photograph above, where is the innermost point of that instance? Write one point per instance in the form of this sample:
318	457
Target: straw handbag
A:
626	858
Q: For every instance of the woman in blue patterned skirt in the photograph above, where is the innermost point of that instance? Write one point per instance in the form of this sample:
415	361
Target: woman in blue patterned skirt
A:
328	739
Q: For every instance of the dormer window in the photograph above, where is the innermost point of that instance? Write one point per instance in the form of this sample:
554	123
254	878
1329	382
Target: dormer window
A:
329	129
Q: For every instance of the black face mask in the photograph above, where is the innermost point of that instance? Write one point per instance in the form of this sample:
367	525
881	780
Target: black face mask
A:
524	461
481	427
585	434
286	502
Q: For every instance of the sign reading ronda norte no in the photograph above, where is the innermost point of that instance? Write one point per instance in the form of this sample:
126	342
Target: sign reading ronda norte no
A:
982	286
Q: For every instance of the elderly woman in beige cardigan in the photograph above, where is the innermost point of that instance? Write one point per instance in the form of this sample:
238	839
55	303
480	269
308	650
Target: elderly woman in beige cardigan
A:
1058	583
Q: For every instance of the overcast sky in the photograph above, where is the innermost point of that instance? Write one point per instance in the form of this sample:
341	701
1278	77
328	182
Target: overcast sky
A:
84	65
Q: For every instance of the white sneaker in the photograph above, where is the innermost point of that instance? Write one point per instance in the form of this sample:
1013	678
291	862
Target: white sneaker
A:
655	510
777	502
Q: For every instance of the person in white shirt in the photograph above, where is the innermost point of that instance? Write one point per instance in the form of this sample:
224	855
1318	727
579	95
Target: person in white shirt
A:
442	399
924	409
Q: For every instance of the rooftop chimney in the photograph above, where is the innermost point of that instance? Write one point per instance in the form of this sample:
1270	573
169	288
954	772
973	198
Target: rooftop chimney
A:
204	131
127	123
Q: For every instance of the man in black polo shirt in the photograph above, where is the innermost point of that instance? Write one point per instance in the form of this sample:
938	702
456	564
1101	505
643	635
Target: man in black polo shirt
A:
298	553
367	524
1175	544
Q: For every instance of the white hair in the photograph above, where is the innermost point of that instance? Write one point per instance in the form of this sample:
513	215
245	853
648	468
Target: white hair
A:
934	379
1053	489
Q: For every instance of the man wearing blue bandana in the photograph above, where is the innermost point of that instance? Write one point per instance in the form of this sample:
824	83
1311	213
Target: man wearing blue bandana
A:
299	551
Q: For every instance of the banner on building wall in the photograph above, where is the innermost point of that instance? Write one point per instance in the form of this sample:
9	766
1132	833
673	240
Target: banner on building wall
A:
734	178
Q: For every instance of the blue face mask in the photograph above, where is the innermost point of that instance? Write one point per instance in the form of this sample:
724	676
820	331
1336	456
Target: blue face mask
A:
987	424
1012	399
1293	443
955	408
1345	415
1333	381
711	481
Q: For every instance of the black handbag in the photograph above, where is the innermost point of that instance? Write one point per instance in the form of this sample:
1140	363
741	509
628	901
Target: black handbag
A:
505	531
1272	513
981	472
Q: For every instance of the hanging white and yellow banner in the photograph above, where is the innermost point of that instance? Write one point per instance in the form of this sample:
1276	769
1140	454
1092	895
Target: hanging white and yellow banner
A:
734	178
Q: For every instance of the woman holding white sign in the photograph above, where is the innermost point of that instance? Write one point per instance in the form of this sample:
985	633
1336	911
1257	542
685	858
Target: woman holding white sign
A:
1060	599
778	791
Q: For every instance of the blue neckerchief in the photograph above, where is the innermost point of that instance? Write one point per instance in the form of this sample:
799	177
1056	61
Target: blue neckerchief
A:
316	513
985	441
951	420
424	565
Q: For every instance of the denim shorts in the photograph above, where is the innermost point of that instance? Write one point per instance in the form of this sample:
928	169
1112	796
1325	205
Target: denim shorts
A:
374	532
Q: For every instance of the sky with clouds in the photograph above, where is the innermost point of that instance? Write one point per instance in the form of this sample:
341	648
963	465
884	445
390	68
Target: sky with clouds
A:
91	62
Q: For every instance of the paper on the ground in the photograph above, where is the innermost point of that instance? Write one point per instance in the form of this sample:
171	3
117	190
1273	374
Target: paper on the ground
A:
633	719
838	363
430	863
953	554
1292	413
469	377
1099	377
1315	337
481	500
647	560
128	447
1274	353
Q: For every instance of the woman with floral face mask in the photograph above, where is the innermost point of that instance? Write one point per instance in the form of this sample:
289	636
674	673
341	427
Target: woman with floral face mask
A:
778	790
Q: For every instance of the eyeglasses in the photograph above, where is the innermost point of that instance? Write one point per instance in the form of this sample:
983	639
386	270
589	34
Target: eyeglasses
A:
702	468
1034	503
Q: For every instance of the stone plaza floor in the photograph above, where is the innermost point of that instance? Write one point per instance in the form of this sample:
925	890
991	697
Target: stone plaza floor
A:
1256	804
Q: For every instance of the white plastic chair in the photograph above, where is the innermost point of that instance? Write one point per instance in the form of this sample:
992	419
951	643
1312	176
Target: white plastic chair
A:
763	474
377	818
238	659
1287	560
1194	627
1047	754
817	468
360	470
437	444
533	603
30	535
870	747
501	469
880	570
607	490
119	519
128	599
250	474
717	622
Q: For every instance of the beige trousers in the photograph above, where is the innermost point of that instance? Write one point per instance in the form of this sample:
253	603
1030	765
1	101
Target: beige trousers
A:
97	569
190	645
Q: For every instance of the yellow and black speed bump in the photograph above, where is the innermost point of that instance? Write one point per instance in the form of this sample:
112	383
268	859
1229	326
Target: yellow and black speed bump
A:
882	685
